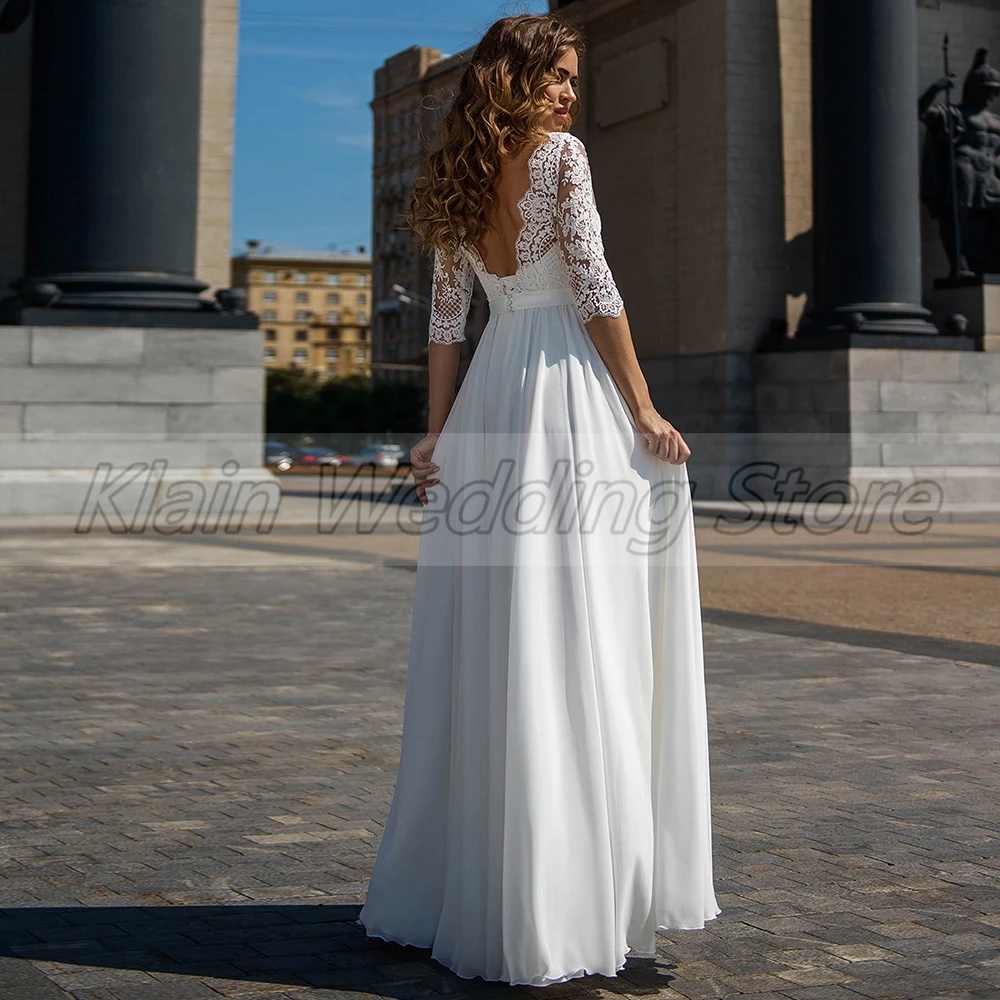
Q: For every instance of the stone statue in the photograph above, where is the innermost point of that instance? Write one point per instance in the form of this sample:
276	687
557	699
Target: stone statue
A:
969	132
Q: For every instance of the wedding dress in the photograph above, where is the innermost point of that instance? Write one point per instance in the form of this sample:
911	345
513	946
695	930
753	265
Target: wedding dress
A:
552	807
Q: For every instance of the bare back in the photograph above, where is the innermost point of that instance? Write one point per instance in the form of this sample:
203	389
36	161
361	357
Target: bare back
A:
556	248
496	248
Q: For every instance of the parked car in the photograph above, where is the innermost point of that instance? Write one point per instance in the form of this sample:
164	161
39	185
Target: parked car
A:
383	456
278	456
318	456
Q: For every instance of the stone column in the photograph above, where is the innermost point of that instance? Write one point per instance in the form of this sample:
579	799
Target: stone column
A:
866	172
114	160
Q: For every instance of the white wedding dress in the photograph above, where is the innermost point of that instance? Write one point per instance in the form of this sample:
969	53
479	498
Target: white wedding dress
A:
552	806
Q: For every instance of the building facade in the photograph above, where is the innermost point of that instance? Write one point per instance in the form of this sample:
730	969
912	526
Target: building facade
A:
700	122
412	92
709	155
315	308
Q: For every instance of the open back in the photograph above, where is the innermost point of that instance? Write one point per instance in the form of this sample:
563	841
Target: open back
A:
559	245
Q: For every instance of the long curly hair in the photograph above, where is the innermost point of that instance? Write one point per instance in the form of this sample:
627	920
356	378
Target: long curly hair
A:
499	106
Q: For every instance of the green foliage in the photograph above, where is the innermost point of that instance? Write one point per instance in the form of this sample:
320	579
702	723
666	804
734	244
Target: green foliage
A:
290	400
299	403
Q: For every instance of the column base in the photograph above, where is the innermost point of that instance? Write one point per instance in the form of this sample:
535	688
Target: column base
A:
128	289
876	318
14	313
836	340
978	301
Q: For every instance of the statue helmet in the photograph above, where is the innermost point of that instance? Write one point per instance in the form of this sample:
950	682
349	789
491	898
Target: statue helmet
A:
981	77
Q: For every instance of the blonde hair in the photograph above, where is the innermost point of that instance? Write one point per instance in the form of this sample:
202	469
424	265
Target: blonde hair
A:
500	106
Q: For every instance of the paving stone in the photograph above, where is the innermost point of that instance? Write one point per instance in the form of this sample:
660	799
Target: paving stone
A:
196	765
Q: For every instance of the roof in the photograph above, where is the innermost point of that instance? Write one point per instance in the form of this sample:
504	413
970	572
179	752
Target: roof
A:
279	256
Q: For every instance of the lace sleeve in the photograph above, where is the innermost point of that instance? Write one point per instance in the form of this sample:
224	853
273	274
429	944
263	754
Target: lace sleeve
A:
579	227
451	293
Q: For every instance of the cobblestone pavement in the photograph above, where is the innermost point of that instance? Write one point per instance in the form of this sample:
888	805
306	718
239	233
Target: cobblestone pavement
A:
197	761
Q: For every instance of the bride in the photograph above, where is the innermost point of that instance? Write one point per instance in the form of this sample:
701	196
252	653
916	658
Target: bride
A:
552	803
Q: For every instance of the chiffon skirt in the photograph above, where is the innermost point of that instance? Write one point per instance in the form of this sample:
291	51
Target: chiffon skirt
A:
552	805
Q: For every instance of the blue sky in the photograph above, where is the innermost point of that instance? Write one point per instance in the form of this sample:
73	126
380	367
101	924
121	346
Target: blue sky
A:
302	176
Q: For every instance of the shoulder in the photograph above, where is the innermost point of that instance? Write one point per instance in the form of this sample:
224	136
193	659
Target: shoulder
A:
571	155
567	145
564	153
571	148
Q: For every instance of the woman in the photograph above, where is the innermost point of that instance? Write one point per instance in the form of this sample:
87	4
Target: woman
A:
551	810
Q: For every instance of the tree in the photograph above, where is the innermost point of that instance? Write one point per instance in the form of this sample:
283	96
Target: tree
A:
299	403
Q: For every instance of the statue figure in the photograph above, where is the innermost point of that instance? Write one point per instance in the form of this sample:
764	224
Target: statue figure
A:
961	168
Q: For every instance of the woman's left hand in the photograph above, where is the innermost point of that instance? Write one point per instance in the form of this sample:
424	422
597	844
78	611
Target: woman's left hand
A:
421	466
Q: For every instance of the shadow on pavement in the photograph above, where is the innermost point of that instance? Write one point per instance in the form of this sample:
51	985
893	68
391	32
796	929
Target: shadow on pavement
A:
298	945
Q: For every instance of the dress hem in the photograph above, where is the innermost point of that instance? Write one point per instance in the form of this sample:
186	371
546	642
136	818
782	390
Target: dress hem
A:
545	980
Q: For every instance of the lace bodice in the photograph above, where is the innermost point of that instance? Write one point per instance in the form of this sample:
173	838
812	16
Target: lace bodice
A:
559	245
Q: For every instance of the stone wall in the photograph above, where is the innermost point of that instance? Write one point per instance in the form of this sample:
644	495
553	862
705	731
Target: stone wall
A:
73	398
861	414
633	142
691	191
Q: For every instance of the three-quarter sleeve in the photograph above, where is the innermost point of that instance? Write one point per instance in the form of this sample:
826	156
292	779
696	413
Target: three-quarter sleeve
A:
451	294
578	226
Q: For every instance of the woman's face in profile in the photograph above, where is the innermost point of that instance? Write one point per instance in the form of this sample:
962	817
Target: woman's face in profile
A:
563	94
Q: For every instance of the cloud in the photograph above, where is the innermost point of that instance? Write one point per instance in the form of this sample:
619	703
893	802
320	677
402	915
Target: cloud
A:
334	100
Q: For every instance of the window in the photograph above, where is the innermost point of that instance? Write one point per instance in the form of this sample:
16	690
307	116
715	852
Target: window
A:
302	297
269	316
301	334
301	278
331	354
270	335
268	353
302	316
270	296
362	279
362	298
333	279
333	299
362	316
300	356
270	277
361	354
333	317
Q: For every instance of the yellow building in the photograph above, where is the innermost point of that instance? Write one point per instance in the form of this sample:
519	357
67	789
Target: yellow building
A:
314	307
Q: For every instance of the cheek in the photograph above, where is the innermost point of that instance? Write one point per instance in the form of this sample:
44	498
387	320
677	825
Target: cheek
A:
552	93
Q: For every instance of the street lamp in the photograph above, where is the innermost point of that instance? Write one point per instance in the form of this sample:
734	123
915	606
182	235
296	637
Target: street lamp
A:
408	298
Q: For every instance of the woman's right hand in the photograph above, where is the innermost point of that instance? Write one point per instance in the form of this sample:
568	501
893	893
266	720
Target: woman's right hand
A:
662	438
421	466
